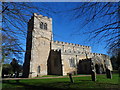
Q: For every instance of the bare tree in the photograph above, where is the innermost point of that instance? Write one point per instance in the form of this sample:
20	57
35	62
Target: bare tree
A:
105	17
15	16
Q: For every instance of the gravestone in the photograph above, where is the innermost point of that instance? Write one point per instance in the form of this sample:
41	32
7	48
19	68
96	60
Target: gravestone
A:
93	76
108	74
108	71
93	71
71	79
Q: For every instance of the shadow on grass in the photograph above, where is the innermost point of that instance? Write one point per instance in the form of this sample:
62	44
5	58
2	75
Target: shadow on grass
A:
53	86
24	86
79	85
42	86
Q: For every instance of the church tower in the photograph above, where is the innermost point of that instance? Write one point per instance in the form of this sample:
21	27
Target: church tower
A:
38	46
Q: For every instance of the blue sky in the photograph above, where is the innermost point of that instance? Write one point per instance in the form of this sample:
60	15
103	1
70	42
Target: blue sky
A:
68	29
65	28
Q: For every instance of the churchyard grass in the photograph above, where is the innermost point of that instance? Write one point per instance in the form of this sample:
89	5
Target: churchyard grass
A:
84	82
49	76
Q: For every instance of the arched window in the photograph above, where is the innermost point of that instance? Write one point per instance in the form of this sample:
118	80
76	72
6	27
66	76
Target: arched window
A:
72	62
38	69
45	26
41	25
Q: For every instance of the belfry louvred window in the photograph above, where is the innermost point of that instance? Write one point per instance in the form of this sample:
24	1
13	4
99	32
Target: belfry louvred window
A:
45	26
41	25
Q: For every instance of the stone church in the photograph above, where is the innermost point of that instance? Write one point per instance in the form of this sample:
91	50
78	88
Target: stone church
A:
44	56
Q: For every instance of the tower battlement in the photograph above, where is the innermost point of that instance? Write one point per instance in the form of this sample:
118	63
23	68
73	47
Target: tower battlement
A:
71	44
41	16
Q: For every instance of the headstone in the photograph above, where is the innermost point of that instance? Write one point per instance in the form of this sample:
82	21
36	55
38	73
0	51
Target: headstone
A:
108	70
93	76
108	74
93	72
71	79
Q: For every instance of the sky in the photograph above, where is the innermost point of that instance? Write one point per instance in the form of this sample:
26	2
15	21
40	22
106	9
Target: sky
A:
68	29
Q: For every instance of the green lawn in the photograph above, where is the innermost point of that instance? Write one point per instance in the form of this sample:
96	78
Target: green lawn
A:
62	83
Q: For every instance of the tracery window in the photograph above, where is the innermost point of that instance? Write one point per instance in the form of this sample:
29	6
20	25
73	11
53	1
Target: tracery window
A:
72	62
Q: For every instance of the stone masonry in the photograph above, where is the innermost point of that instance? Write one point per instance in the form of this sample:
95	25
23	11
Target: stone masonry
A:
44	56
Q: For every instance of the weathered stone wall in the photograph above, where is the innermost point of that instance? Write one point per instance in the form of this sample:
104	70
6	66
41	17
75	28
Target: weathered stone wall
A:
66	62
40	48
69	51
45	56
40	45
78	53
26	65
70	47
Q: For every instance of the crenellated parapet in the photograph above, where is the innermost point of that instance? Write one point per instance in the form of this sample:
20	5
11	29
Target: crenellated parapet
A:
96	54
41	16
69	44
56	50
70	48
